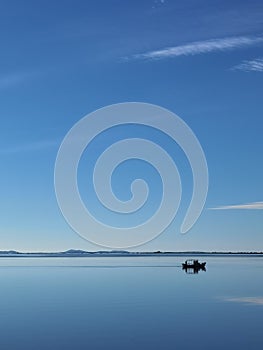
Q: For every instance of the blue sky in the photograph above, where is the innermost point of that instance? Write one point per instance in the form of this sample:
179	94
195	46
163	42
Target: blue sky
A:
62	60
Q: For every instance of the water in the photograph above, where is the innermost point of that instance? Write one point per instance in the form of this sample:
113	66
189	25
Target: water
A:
130	303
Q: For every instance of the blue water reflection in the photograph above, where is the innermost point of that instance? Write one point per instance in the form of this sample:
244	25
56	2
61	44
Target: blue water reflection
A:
130	303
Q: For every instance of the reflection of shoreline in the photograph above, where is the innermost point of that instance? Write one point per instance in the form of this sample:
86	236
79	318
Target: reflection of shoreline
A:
80	253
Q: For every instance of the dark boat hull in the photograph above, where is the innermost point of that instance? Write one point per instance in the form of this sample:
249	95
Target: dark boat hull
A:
194	266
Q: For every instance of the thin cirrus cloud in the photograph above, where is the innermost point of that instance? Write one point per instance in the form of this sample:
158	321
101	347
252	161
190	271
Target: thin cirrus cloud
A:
251	206
246	300
18	79
14	79
202	47
30	147
255	65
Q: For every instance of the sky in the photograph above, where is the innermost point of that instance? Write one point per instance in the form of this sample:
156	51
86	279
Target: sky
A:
202	60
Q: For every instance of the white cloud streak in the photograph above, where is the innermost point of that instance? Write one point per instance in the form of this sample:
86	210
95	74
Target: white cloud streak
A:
255	65
251	206
30	147
247	300
14	79
202	47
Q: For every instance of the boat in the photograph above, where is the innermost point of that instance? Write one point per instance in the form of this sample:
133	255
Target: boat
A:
193	265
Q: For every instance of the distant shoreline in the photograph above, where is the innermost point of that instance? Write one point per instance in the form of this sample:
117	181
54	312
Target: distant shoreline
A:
80	253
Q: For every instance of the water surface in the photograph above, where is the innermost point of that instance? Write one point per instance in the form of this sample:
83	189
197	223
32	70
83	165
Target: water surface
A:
130	303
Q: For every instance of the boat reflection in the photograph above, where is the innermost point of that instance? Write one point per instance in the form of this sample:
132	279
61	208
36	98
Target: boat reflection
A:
193	266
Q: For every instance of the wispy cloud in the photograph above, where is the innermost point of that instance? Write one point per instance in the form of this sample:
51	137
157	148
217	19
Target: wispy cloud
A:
255	65
254	205
201	47
14	79
246	300
30	147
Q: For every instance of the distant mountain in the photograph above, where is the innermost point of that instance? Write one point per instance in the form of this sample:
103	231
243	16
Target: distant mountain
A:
116	253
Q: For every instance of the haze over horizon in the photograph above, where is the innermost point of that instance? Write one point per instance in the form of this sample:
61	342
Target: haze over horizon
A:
63	61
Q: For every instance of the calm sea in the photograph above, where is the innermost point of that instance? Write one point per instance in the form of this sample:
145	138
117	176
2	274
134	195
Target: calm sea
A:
130	303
